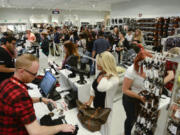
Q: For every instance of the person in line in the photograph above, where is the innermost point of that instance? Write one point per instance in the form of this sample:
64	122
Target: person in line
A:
17	115
57	37
71	54
134	83
115	35
45	43
123	44
138	37
30	36
100	44
74	38
104	87
82	43
3	39
7	56
129	35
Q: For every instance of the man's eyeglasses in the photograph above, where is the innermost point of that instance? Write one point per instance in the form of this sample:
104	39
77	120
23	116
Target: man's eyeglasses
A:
33	74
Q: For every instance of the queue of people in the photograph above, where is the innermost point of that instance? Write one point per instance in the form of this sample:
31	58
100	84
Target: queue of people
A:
17	115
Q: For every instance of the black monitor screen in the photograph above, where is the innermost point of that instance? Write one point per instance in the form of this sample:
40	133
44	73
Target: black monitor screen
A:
47	83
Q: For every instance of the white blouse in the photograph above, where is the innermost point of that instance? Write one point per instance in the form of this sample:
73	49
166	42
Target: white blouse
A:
138	81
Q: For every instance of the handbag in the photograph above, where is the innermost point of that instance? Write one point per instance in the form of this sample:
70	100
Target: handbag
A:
92	118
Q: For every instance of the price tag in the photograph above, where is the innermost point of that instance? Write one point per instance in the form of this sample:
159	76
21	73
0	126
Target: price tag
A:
177	114
138	119
155	73
144	68
151	74
173	129
152	104
149	125
146	105
157	92
146	84
142	121
114	47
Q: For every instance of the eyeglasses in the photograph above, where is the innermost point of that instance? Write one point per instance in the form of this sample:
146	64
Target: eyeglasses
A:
33	74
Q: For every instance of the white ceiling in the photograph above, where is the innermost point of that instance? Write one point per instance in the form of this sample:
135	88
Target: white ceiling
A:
97	5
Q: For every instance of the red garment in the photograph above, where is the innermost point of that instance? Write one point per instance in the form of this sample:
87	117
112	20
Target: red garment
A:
140	46
171	66
141	56
16	107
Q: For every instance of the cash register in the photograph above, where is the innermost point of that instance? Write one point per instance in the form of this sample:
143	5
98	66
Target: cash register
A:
48	87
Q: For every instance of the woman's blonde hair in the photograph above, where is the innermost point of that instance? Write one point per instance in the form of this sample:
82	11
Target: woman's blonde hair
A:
107	61
139	36
25	61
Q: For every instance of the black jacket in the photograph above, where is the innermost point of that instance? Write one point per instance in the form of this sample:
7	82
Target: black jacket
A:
45	46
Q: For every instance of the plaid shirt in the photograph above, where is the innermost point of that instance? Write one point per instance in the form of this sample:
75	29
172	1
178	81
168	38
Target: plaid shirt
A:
16	108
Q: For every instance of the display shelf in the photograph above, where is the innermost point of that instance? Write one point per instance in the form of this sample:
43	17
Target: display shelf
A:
153	28
173	118
146	23
147	119
149	41
148	26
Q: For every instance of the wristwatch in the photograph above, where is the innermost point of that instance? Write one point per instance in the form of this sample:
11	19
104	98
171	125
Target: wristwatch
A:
40	99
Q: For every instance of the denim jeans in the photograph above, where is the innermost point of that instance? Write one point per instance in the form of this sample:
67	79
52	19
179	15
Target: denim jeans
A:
131	107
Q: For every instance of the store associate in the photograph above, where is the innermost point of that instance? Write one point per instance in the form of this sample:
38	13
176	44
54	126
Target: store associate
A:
17	115
71	55
7	55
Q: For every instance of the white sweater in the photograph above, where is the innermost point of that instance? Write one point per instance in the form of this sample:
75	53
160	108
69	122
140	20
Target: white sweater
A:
109	86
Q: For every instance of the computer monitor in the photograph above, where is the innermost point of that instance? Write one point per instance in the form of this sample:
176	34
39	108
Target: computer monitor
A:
47	84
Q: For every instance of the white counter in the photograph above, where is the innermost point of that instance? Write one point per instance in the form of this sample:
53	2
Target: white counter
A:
70	115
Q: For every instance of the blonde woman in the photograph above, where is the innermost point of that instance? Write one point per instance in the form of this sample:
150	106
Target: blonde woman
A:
104	86
138	37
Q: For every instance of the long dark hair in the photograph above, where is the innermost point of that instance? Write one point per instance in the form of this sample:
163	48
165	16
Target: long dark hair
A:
71	49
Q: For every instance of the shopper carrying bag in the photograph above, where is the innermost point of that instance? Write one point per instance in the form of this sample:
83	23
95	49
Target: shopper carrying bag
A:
104	87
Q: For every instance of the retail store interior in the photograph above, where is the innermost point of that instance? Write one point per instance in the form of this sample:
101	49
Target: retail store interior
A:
105	67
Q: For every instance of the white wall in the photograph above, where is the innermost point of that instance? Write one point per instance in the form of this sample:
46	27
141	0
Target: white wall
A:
149	8
45	16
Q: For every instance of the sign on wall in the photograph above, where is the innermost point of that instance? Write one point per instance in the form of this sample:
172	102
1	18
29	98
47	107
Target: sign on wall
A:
56	11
